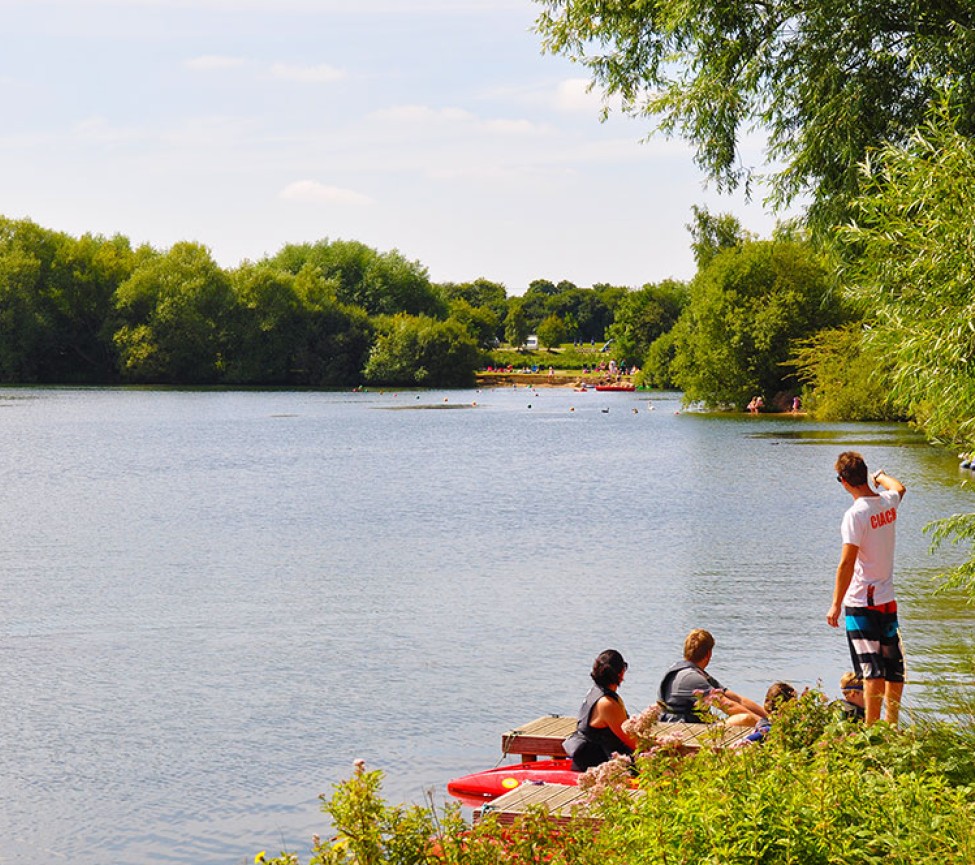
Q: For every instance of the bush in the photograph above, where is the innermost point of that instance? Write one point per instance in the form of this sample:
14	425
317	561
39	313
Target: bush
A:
817	791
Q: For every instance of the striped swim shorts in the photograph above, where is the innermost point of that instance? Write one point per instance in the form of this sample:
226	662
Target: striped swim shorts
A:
875	642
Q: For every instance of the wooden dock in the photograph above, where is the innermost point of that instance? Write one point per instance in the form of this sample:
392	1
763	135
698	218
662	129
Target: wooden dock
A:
561	801
543	737
539	738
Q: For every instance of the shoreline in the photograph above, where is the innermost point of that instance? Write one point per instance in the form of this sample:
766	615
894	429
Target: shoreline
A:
540	379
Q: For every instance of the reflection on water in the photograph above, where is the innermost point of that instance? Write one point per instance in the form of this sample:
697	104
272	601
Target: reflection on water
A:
214	601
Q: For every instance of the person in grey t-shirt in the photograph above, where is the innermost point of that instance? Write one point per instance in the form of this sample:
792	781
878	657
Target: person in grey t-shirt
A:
685	683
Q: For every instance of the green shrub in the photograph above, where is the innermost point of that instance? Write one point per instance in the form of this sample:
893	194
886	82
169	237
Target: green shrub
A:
816	791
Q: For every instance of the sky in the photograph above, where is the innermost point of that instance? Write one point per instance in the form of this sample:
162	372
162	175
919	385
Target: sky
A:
437	128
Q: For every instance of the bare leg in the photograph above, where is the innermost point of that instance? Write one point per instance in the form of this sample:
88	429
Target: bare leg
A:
892	702
873	698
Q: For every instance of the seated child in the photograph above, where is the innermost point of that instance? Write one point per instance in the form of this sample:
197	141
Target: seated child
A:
851	706
777	694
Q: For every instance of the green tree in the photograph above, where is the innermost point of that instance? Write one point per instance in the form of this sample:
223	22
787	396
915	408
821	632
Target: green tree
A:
711	234
479	321
656	370
516	327
336	339
912	260
418	350
270	325
551	331
644	315
745	312
175	309
382	283
585	308
845	379
56	302
825	79
481	292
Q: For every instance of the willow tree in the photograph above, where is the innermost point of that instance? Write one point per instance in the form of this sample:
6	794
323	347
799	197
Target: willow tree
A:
911	252
825	80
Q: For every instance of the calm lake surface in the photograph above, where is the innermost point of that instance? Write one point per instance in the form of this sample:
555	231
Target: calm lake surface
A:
212	602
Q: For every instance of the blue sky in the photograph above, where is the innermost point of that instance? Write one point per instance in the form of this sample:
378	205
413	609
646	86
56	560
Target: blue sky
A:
435	127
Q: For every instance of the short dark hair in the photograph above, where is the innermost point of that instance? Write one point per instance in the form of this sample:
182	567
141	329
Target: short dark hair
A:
851	467
608	668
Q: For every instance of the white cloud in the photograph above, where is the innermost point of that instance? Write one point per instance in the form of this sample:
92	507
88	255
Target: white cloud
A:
575	94
422	114
213	61
514	127
311	191
380	7
98	130
321	74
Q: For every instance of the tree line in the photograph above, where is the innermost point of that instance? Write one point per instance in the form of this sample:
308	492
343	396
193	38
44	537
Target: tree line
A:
95	310
326	314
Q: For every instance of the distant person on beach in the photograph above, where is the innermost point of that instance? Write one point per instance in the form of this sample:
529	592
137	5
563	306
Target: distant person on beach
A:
599	731
686	683
864	587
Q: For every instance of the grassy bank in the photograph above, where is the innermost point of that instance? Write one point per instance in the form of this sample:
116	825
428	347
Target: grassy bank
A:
817	791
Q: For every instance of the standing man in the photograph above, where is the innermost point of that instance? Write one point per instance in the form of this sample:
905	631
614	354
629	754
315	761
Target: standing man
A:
864	590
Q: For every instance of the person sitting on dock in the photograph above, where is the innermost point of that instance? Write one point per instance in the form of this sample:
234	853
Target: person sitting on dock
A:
599	731
686	683
777	694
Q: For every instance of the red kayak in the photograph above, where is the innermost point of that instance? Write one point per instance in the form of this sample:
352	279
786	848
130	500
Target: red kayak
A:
623	387
484	786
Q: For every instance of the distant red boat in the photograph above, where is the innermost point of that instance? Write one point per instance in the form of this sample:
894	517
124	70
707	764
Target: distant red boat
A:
484	786
622	387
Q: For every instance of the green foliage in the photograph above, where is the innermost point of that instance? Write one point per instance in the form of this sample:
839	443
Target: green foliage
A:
292	330
516	326
551	331
382	283
417	350
174	311
746	311
481	322
269	325
956	529
825	79
816	791
56	299
656	370
645	315
911	256
846	380
712	234
479	293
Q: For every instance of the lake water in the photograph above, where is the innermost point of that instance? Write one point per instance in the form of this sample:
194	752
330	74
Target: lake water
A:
212	602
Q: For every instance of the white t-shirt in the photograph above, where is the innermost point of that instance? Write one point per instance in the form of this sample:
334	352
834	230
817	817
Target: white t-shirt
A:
869	525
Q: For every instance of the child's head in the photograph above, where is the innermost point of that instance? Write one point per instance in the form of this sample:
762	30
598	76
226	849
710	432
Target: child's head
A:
779	693
852	687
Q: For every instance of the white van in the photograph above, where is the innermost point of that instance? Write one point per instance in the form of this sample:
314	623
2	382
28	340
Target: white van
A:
532	343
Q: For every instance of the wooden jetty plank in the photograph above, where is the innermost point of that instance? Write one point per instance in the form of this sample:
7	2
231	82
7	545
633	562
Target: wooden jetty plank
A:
539	738
543	737
561	801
